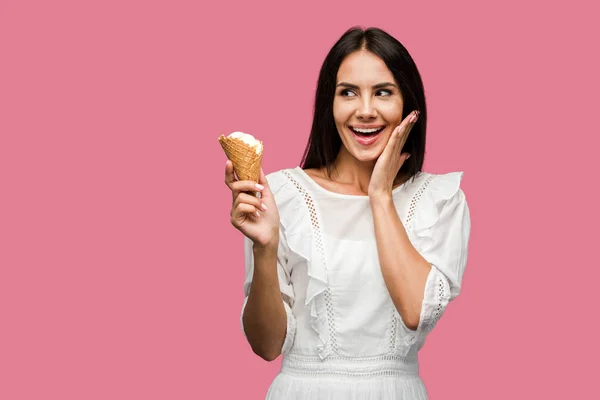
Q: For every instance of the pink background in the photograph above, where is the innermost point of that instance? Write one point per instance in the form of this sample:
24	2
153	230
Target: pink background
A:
121	276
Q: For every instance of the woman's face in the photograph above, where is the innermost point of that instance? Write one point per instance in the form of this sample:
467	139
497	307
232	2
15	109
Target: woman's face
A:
367	105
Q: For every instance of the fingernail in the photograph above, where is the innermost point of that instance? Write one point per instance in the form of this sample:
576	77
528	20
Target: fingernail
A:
407	157
257	214
259	186
263	207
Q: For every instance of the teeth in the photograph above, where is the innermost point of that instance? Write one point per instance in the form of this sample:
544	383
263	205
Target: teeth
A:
366	130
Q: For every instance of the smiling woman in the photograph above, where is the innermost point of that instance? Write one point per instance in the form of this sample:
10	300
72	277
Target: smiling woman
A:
367	106
352	257
376	84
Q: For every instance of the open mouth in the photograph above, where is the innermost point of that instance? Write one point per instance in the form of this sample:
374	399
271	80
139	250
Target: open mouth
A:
367	132
366	136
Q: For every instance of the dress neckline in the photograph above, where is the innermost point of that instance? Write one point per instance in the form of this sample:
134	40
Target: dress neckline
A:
341	195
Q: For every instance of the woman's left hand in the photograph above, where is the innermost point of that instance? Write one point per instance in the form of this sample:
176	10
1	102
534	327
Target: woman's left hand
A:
389	162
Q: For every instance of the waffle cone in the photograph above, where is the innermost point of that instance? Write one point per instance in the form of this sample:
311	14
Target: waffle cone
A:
246	163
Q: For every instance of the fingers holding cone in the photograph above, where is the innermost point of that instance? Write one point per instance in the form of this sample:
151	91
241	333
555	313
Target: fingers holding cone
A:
262	181
237	186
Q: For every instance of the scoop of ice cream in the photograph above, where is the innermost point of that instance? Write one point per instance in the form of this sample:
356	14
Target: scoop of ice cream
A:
248	139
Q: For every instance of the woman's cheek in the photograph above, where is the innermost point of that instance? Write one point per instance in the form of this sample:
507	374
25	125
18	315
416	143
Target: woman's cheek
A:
393	111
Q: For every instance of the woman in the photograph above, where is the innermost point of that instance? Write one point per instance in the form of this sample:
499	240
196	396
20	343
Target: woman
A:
352	258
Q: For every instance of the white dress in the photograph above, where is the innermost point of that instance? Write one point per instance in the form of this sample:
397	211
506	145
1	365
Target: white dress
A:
345	339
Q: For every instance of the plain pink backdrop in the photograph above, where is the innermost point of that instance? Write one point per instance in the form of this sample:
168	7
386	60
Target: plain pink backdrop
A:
121	277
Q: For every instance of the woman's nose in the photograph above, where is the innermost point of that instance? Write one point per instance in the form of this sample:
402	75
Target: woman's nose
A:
366	110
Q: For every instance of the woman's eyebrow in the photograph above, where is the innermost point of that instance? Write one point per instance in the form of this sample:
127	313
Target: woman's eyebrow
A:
378	86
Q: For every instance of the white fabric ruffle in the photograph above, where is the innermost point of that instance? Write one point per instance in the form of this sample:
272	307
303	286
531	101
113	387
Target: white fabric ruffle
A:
303	239
437	205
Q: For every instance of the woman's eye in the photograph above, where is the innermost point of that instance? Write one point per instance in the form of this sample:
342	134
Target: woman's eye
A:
349	93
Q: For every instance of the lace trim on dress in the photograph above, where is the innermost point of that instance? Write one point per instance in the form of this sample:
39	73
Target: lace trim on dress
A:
410	217
441	301
318	291
351	367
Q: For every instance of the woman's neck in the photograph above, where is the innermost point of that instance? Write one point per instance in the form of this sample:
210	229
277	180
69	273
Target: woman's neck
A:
349	171
352	172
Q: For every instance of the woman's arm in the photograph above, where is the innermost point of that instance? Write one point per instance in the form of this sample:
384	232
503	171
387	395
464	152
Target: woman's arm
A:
264	318
404	270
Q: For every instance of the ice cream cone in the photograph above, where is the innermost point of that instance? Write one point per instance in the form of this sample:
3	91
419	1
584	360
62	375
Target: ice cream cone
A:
246	158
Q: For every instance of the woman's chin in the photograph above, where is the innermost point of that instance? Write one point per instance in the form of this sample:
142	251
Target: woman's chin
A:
361	154
367	156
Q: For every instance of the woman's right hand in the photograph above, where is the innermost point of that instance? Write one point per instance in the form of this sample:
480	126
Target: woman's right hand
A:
257	218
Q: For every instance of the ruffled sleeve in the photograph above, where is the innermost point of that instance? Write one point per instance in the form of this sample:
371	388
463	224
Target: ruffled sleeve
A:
287	290
440	233
300	223
285	285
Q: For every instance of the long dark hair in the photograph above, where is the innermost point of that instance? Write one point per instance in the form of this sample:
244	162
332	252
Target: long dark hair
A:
324	142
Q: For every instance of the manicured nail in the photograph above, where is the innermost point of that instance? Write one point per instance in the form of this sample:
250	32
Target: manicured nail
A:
264	207
259	186
257	215
407	157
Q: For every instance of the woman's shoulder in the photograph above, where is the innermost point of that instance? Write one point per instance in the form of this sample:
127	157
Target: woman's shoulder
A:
440	186
438	192
289	199
286	187
279	179
440	213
